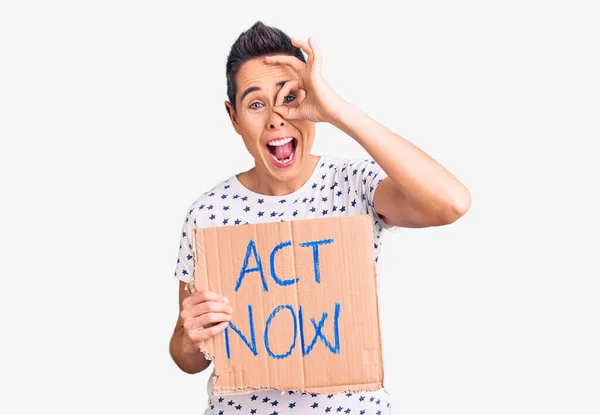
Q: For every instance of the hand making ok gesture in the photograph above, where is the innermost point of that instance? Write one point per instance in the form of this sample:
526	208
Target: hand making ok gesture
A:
317	101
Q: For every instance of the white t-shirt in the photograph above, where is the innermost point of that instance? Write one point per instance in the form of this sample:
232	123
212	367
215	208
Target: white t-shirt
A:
337	187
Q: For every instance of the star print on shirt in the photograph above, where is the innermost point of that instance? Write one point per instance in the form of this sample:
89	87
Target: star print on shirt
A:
338	187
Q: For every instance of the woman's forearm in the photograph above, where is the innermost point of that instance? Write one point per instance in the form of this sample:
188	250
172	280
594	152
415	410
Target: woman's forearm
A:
189	359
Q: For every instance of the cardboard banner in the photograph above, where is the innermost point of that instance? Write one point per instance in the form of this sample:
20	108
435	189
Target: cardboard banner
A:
304	298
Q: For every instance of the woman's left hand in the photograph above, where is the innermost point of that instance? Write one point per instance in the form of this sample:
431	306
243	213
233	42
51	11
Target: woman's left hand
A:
317	101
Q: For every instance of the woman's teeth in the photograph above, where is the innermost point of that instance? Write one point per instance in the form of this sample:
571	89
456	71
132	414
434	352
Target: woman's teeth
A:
289	158
280	142
286	160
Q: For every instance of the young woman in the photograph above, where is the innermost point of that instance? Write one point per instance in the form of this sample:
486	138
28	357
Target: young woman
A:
275	98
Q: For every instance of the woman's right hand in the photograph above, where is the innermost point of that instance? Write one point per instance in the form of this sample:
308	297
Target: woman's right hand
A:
204	315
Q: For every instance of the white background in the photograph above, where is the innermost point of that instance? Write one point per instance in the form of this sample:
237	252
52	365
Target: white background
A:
112	123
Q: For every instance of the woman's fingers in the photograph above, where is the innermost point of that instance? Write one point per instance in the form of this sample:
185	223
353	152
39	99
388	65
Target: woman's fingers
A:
296	64
289	86
207	319
205	307
202	296
317	58
199	335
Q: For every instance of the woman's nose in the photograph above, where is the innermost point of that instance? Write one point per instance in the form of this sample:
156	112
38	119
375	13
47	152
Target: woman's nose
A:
273	124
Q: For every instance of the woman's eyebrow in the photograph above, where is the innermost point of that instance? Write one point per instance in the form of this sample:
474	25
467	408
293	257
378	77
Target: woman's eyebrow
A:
257	88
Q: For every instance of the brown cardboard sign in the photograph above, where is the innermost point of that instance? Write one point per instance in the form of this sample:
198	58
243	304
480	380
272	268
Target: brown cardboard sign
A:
304	298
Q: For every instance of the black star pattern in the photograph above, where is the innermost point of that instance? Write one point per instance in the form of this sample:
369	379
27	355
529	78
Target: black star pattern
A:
346	187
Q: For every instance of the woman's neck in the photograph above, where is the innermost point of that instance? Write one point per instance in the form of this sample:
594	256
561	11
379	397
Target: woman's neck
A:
261	183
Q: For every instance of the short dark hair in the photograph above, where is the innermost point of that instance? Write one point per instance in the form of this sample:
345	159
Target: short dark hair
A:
259	40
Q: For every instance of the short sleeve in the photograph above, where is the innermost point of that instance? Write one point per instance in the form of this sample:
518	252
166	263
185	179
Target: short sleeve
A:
365	176
185	260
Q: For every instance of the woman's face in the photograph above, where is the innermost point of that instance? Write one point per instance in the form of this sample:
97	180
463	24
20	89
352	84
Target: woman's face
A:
280	147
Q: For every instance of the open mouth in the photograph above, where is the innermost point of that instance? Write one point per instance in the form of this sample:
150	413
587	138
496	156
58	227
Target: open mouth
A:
283	151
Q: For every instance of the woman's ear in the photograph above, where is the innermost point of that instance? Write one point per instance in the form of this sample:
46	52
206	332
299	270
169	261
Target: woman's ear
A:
232	116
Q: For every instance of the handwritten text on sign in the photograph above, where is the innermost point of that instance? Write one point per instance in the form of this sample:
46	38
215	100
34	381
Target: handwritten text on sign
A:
297	316
304	298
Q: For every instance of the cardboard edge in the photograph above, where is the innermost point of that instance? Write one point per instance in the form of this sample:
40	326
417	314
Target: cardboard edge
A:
204	348
379	328
225	391
322	390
